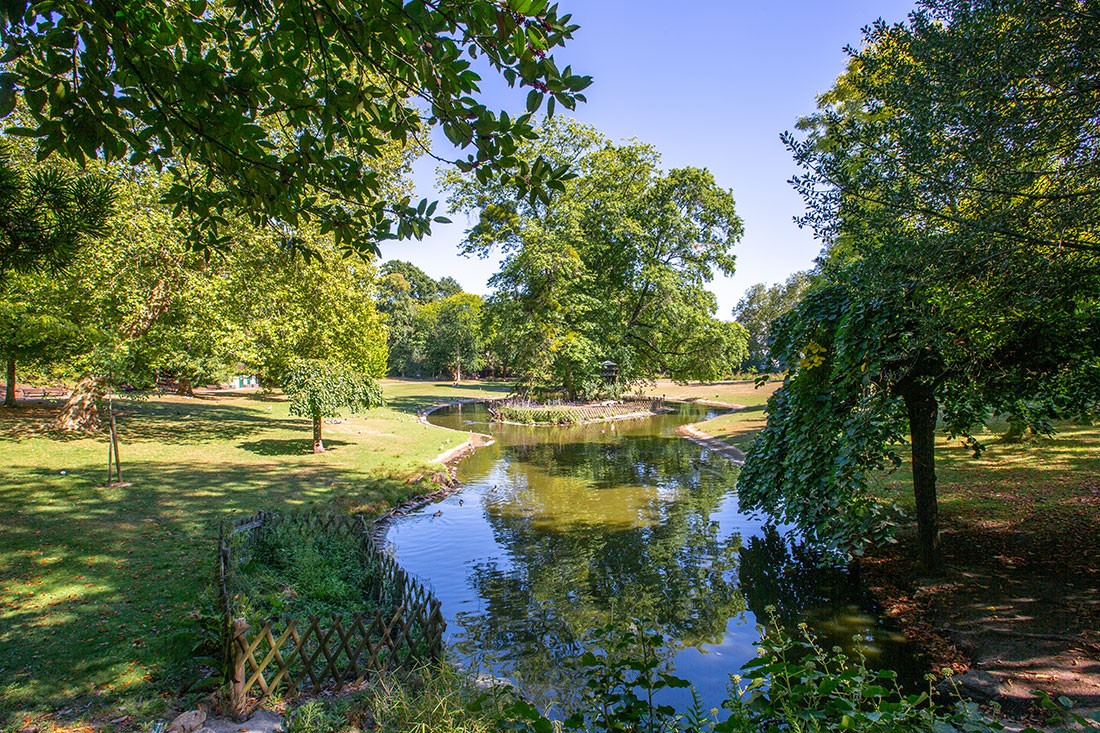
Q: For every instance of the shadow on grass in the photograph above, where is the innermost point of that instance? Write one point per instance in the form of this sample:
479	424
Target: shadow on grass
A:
287	446
413	402
106	589
177	422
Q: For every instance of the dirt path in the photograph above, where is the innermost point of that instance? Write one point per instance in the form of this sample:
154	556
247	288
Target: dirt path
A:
1016	608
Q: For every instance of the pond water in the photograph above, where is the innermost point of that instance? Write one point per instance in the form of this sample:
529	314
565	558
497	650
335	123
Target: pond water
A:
562	530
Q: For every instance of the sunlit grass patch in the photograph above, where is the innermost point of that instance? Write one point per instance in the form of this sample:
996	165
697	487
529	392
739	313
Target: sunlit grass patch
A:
99	586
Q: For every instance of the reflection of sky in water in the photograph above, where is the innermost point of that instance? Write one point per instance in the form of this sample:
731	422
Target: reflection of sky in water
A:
559	530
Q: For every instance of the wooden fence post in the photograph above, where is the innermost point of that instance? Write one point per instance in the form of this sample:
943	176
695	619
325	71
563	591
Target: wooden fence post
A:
238	656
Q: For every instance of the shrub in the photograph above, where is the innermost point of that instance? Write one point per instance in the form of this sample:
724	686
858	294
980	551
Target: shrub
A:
289	573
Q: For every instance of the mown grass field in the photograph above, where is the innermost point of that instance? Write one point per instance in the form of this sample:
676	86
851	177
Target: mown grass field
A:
100	588
1055	476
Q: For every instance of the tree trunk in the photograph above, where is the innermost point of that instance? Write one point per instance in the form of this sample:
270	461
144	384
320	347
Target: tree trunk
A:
9	392
184	388
920	403
318	446
80	413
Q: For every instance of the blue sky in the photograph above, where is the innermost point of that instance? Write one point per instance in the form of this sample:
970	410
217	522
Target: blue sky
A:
711	84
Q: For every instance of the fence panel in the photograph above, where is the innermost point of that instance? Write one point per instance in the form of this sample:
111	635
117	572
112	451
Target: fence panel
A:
307	655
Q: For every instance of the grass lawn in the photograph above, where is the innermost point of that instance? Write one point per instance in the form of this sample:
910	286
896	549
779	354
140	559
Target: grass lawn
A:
100	587
1056	477
737	428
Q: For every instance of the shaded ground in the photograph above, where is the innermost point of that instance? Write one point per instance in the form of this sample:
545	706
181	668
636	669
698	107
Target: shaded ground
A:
103	589
1019	592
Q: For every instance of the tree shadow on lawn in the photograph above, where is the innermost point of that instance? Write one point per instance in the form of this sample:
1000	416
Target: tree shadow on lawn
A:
176	422
287	446
197	422
413	403
105	589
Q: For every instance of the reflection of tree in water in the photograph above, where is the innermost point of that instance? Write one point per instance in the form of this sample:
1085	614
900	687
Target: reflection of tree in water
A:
790	578
776	572
650	461
562	581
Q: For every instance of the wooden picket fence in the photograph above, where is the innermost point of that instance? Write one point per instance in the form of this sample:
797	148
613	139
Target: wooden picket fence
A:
403	626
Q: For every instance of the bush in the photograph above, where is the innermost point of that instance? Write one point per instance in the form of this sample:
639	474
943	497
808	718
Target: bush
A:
793	686
536	415
290	573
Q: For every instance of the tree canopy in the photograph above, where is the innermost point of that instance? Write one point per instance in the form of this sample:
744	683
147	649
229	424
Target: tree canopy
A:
613	268
319	388
47	214
289	112
952	172
759	308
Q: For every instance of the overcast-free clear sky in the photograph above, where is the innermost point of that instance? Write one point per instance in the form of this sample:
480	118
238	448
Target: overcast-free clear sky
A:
710	83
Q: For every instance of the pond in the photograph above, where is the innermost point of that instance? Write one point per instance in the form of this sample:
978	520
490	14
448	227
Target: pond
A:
562	530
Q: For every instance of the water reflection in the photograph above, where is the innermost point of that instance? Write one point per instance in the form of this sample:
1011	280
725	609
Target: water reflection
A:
563	530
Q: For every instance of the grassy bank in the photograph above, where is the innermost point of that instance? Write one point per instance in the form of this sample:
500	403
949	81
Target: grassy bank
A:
737	428
99	587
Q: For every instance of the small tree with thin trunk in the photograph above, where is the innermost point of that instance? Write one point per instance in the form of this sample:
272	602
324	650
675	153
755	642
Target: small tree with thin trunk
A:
320	389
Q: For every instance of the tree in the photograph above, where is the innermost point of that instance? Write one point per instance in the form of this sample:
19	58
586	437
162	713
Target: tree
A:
116	291
614	267
405	341
419	285
961	273
286	308
423	333
453	329
285	112
320	389
757	311
46	215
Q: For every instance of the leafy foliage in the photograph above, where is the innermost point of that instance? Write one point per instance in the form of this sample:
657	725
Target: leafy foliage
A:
961	270
323	388
285	112
291	574
759	308
539	415
47	213
793	685
452	332
320	389
833	424
613	268
434	327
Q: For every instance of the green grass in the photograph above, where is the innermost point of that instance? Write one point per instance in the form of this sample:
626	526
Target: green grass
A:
737	428
1055	477
99	586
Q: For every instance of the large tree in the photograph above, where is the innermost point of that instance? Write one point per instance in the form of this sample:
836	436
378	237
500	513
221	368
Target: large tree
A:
759	308
953	172
47	214
281	112
614	268
454	334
